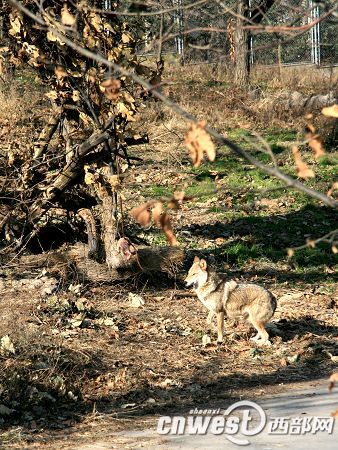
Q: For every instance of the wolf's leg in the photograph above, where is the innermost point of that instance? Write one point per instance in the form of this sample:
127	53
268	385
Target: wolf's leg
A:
210	317
262	336
220	326
256	338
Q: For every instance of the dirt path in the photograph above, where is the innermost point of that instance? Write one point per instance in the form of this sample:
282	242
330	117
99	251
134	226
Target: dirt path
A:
311	401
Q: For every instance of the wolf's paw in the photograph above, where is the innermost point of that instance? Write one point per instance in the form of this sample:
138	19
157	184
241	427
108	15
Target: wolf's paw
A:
256	338
218	342
266	342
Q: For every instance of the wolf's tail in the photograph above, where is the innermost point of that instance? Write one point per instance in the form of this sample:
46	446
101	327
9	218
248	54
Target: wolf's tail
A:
273	301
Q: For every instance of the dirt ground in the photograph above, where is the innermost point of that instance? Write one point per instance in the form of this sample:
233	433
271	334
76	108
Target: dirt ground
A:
119	366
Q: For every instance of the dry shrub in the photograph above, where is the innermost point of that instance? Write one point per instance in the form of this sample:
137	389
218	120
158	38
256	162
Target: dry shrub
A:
47	368
199	73
290	107
22	113
277	95
305	78
13	104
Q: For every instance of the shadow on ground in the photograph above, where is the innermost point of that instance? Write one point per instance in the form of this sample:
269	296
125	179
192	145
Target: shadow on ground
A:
266	238
197	391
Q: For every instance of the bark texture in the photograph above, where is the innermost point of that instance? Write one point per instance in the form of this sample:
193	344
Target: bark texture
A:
242	67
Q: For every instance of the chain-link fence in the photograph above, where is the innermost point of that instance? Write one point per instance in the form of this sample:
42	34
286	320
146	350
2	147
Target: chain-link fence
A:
299	32
317	45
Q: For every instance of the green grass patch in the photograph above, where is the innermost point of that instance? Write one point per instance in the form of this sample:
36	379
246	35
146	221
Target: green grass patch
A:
201	189
274	136
157	191
237	134
264	237
277	140
216	83
328	161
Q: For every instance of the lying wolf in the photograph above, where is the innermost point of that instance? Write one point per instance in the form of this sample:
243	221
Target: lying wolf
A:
220	297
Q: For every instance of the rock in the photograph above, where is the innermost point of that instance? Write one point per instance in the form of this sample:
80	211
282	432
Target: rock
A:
291	296
5	411
135	300
206	340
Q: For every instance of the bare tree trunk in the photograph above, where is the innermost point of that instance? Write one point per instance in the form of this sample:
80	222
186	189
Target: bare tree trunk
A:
114	259
242	66
241	38
93	242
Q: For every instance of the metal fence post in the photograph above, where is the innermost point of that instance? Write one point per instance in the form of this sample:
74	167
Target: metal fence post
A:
314	33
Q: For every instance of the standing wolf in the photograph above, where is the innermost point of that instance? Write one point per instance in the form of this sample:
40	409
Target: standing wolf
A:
220	297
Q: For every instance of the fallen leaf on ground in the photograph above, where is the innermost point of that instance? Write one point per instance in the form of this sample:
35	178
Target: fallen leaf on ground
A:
135	300
206	340
6	345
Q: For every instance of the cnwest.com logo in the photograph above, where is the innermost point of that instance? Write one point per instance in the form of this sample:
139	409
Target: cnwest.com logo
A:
250	420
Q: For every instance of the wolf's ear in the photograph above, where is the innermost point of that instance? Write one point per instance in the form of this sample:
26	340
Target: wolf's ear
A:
196	259
203	264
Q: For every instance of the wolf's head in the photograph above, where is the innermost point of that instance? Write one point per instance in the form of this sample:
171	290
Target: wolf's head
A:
198	274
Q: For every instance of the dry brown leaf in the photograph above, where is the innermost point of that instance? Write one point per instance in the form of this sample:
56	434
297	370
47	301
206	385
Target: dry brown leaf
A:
66	17
60	72
333	188
111	88
310	128
335	413
125	38
173	204
114	181
157	211
125	112
154	209
311	243
167	229
334	249
291	252
142	214
198	142
303	171
330	111
178	198
333	380
315	141
316	144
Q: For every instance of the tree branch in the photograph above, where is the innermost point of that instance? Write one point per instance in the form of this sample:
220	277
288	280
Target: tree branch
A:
68	174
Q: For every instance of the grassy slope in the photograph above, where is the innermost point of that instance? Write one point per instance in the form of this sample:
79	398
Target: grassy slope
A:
256	218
